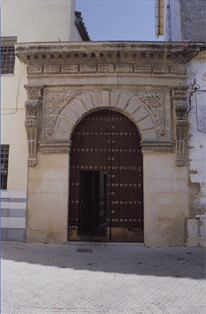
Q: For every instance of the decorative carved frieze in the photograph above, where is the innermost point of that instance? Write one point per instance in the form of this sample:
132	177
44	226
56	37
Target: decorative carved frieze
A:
56	101
35	70
178	69
70	68
106	68
142	68
32	106
88	68
160	68
124	68
52	69
114	67
179	96
155	101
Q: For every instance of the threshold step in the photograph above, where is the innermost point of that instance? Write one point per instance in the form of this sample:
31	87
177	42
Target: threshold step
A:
105	244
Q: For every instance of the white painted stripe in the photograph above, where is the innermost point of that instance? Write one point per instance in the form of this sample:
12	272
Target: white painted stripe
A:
5	205
4	194
18	194
9	222
13	193
13	205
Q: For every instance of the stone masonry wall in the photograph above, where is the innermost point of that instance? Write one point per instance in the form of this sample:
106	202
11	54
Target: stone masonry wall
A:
165	200
47	214
185	20
193	20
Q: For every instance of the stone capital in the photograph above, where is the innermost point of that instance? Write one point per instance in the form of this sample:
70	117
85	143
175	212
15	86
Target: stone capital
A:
179	92
34	91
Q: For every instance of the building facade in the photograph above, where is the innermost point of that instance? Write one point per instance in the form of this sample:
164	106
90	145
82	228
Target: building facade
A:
106	125
185	21
146	178
54	21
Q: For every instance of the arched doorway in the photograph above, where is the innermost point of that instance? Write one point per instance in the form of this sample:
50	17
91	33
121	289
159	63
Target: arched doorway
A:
106	180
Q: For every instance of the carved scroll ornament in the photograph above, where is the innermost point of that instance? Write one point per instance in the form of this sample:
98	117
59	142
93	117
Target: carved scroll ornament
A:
32	119
155	102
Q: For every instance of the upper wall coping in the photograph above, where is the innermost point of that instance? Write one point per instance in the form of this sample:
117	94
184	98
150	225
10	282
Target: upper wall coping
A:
39	53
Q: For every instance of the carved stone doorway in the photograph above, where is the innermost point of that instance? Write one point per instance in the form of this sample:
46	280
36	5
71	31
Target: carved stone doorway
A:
106	180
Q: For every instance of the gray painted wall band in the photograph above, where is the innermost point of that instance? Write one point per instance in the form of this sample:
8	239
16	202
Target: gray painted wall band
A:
13	200
12	234
11	212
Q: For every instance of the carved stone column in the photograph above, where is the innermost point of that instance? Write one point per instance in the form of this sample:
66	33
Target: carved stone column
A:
32	106
179	96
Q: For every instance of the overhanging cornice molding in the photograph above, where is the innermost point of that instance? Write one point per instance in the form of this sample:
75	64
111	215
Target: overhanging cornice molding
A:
105	52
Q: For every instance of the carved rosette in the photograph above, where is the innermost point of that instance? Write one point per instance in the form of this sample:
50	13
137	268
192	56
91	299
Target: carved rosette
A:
155	102
32	106
179	96
57	101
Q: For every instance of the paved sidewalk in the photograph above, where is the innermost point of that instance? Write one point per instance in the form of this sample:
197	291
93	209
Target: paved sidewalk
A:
46	278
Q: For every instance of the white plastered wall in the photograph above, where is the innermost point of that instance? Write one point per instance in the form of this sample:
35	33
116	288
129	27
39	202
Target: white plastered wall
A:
39	20
196	225
47	209
76	36
13	133
30	21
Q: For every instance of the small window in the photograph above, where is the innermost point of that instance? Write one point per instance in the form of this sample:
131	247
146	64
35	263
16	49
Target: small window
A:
7	54
4	165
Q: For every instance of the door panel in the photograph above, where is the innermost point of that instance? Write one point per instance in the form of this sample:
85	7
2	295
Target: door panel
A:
106	141
89	201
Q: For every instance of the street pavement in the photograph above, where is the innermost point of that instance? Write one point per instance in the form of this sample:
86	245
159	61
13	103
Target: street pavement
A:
94	278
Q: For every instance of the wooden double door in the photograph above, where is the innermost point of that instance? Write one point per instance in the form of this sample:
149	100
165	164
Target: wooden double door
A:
106	180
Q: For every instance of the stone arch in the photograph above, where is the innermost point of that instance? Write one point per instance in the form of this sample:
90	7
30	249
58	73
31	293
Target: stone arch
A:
124	102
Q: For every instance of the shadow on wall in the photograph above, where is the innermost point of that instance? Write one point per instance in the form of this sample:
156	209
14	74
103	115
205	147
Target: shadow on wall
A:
169	262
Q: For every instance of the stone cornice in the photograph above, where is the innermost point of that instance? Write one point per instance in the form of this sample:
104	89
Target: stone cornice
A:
55	147
157	146
106	52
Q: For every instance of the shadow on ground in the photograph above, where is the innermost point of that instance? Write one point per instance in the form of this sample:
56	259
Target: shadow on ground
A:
174	262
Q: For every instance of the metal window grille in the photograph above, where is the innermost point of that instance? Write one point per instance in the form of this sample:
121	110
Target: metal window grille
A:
4	165
7	54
